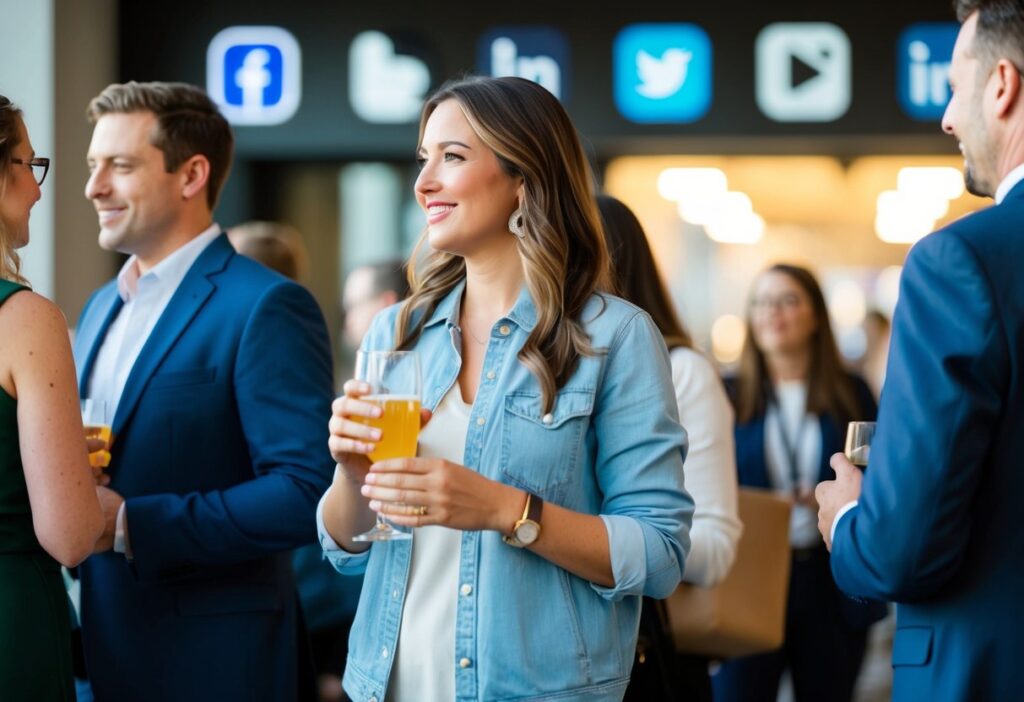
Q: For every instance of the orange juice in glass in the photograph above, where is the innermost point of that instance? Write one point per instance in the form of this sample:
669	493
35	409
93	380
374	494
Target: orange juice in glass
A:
394	380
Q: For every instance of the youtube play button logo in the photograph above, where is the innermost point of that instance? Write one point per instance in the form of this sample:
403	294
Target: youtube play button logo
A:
803	72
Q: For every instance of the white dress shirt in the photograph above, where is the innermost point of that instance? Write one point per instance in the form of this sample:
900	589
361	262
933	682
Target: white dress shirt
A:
145	298
710	467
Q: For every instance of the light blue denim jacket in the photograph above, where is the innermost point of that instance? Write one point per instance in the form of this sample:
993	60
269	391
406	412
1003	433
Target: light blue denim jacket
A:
525	628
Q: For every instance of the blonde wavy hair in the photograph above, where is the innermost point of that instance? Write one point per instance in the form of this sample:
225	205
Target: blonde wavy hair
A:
10	123
563	249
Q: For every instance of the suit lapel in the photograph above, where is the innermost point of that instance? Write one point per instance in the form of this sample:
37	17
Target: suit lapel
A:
93	330
188	299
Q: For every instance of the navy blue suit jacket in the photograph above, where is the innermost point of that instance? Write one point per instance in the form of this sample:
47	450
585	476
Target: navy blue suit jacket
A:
220	451
938	526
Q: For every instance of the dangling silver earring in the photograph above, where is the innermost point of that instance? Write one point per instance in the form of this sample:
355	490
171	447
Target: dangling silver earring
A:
515	223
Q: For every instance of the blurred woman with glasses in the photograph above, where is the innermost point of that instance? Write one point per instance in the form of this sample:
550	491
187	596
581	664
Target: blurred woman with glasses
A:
49	512
793	400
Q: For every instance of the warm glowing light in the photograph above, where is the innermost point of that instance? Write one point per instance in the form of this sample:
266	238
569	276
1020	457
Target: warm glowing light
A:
847	304
712	208
905	228
887	289
940	182
727	336
737	228
919	203
677	184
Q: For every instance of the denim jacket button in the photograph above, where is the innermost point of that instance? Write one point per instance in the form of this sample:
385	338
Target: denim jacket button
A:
466	590
480	421
384	653
465	663
491	375
372	699
504	329
547	418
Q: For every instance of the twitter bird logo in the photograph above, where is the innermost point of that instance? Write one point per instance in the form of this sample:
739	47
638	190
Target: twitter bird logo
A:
662	73
661	77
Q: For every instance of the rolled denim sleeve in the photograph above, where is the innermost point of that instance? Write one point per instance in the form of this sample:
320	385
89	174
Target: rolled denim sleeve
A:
639	465
344	562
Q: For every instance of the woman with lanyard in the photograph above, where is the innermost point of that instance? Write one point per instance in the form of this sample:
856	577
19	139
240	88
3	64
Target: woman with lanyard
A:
793	400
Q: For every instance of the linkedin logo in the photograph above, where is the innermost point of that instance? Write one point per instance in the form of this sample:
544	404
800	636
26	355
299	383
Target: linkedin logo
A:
924	52
254	74
540	54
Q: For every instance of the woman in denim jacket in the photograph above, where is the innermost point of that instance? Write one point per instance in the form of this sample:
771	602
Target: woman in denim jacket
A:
546	397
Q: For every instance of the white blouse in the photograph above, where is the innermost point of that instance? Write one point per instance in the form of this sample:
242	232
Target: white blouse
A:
710	467
424	667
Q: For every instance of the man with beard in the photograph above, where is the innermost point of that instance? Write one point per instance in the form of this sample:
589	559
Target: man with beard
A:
933	523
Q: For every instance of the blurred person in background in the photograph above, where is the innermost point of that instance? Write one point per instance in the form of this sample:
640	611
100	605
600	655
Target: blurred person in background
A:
936	523
793	401
218	372
328	601
548	487
705	413
277	246
368	290
876	354
49	511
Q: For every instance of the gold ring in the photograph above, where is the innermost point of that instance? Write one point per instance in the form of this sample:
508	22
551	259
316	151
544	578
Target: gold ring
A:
420	510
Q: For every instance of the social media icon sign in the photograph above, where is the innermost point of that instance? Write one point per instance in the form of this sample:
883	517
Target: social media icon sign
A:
254	74
803	72
540	54
385	87
662	73
923	54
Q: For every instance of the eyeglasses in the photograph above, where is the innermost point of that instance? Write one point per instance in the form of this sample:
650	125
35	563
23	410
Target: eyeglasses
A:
764	303
40	167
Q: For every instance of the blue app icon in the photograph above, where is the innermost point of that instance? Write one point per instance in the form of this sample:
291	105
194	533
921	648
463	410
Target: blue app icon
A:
254	75
662	73
924	51
540	54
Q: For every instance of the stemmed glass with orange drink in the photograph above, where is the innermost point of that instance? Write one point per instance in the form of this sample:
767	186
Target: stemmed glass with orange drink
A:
394	380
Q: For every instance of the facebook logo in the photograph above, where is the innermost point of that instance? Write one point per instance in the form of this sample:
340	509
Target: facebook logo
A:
923	56
540	54
254	74
662	73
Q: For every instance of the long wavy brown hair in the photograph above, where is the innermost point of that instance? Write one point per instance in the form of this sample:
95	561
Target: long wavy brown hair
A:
563	250
10	123
829	388
635	273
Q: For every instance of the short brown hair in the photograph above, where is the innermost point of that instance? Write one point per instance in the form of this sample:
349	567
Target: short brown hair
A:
1000	32
188	123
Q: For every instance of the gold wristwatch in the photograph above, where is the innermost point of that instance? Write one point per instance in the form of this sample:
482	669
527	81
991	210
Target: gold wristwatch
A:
527	529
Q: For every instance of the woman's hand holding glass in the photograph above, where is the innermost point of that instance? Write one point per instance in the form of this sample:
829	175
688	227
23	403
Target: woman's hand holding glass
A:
351	441
415	492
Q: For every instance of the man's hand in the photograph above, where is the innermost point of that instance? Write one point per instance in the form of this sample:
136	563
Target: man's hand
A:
111	502
833	494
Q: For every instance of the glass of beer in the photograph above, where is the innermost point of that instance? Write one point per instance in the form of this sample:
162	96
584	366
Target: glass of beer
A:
858	442
96	420
394	380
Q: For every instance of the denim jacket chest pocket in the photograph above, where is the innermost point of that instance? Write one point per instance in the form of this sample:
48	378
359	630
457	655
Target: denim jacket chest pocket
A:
542	452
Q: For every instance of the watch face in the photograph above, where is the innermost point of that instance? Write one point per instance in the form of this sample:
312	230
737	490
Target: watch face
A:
527	532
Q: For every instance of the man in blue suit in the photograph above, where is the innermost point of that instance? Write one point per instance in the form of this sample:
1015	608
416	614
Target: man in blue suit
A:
935	524
218	375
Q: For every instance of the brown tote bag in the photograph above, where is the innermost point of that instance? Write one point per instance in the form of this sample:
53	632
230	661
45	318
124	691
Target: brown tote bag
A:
746	612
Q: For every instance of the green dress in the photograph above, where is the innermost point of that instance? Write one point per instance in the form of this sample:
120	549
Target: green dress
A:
35	624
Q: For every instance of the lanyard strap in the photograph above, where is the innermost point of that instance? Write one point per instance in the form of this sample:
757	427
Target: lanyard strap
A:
790	445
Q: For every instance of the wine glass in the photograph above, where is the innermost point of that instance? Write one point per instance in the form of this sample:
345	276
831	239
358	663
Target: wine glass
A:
96	422
395	386
858	442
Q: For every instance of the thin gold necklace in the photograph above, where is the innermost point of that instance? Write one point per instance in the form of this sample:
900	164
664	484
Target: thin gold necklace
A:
472	335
